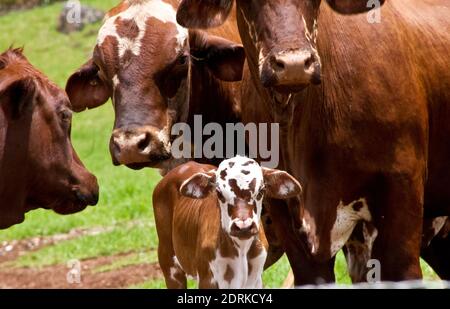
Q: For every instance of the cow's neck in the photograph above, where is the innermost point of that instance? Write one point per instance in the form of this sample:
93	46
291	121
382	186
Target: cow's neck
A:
13	170
213	99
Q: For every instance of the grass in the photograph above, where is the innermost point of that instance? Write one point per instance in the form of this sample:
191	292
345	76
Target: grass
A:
125	195
144	257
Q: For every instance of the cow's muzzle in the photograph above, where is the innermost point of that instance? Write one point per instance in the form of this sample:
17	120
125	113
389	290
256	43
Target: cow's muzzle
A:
290	71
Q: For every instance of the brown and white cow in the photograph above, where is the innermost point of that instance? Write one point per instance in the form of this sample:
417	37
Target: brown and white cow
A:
208	222
157	74
38	166
367	143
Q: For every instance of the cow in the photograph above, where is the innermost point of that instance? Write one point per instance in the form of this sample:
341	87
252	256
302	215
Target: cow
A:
363	108
158	73
38	166
208	222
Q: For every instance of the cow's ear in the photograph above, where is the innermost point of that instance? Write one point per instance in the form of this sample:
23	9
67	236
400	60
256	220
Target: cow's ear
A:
16	96
199	185
86	89
203	14
224	58
280	185
354	6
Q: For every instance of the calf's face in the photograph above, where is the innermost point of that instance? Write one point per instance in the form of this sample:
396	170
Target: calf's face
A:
37	140
142	61
280	36
240	185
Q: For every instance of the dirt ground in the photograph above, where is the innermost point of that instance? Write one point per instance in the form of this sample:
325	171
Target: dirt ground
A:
60	276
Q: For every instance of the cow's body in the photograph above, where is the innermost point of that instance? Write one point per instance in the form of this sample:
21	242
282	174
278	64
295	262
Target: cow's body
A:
214	236
38	166
368	142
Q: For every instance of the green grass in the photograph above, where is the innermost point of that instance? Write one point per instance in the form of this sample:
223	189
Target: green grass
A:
137	238
125	195
145	257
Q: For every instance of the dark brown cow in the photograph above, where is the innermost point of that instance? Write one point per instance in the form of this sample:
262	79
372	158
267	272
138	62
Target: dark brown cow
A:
157	74
38	166
208	222
367	144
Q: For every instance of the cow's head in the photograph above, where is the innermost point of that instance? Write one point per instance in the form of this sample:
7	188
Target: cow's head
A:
35	143
240	184
279	36
143	61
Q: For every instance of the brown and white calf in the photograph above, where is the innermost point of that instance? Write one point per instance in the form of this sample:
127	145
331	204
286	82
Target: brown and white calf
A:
208	222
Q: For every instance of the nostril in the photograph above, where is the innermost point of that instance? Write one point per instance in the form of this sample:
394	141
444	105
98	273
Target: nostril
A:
309	62
277	64
144	142
116	147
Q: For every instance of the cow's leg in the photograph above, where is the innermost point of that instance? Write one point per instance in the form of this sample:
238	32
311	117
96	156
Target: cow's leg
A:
436	251
206	278
358	250
305	269
398	211
174	275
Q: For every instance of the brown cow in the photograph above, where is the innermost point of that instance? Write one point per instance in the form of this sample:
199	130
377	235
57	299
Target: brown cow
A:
38	166
367	143
157	74
208	222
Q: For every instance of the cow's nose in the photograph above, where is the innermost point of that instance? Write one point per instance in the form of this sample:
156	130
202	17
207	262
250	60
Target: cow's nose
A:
138	146
291	69
87	198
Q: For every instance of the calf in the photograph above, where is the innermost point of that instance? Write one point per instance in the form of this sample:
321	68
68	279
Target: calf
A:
38	166
208	222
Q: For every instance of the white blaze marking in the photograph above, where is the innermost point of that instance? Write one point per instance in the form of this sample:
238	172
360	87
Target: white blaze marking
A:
234	171
346	220
140	12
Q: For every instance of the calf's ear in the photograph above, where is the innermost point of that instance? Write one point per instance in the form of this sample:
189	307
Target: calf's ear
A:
199	185
16	96
280	185
225	59
354	6
203	14
86	89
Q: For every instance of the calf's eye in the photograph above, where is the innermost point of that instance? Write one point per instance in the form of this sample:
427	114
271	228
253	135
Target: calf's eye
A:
182	60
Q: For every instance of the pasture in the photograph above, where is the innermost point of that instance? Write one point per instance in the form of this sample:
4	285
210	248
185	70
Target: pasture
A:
115	241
